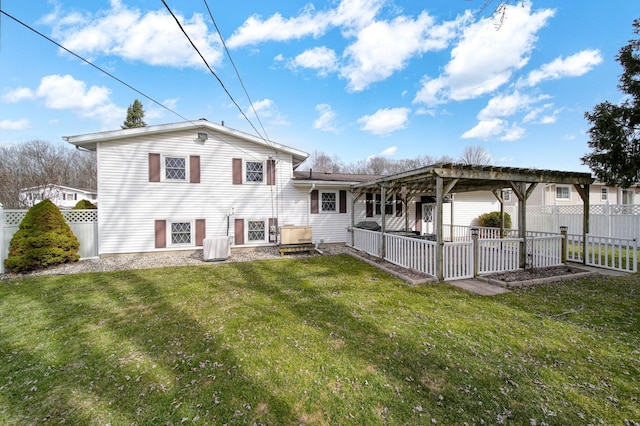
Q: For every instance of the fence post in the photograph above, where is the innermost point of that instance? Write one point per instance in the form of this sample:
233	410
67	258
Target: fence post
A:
565	245
476	251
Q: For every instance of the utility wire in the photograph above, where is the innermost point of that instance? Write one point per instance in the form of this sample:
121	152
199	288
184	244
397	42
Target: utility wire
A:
2	12
234	67
210	69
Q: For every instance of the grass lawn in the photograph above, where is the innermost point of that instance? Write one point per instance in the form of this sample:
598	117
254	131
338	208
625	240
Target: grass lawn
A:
320	340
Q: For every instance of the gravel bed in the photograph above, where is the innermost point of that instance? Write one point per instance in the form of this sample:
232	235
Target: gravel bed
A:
161	260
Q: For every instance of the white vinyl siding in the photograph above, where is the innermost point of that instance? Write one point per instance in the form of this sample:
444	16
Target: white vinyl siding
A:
126	227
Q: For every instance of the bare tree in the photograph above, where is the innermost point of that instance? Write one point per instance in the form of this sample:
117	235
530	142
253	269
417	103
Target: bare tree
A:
40	163
476	155
318	161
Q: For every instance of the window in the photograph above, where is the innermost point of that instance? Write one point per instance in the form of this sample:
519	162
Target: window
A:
563	193
627	196
506	194
254	171
256	231
175	168
181	233
329	202
388	205
604	193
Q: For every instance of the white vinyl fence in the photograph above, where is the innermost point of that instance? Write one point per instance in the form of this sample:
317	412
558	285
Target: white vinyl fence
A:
461	259
612	221
83	223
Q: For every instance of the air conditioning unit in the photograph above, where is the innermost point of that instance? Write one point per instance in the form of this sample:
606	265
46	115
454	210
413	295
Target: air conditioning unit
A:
216	249
291	234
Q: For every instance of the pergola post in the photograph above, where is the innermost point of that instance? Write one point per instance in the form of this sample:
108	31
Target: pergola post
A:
583	190
383	219
354	199
438	222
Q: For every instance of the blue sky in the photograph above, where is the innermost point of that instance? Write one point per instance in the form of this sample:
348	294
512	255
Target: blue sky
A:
350	78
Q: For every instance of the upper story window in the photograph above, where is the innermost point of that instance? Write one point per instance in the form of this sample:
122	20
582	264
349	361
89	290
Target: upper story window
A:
627	196
329	202
604	193
254	171
175	168
563	193
506	195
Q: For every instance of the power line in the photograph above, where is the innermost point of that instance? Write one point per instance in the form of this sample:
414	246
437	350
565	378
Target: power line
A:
2	12
210	69
234	67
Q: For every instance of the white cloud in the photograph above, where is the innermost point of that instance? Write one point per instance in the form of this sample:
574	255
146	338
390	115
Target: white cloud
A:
351	14
385	121
486	57
327	119
151	37
14	125
506	105
267	109
513	133
389	152
64	92
384	47
573	66
322	59
485	129
18	95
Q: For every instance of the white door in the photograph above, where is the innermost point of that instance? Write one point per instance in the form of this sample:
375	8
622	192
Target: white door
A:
427	218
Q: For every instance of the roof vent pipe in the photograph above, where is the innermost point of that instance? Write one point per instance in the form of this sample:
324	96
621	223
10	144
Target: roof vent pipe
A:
310	173
222	123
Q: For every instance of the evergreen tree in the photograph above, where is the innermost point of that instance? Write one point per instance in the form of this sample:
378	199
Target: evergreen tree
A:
135	115
615	132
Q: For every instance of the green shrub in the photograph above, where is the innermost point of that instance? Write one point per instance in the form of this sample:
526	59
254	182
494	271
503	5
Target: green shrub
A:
42	240
84	205
492	220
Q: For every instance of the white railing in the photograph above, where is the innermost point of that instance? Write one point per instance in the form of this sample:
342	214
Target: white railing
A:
367	241
498	255
543	252
458	260
620	254
411	253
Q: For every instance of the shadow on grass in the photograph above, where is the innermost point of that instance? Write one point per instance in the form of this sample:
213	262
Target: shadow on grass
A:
120	353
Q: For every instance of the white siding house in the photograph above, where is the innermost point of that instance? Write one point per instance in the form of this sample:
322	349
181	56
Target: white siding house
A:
168	187
65	197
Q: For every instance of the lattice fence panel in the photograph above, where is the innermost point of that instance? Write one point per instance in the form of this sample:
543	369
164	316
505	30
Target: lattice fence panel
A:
80	216
14	217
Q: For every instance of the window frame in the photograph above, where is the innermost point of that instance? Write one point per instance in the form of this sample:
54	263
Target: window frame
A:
336	201
265	230
246	171
163	168
388	205
170	233
563	187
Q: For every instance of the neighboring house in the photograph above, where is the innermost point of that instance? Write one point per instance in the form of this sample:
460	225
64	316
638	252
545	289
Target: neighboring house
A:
64	197
168	187
567	195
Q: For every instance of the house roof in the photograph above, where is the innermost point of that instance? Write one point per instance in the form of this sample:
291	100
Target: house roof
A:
344	179
90	140
66	188
467	178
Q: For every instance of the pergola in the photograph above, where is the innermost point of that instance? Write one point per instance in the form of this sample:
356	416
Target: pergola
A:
441	180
